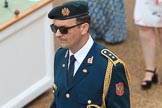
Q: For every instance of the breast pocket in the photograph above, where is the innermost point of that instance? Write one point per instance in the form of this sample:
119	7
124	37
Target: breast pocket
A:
90	99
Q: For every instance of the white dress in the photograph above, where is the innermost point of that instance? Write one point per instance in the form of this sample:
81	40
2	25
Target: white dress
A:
147	13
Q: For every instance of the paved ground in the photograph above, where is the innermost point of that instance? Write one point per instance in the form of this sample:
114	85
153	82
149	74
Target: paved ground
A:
130	52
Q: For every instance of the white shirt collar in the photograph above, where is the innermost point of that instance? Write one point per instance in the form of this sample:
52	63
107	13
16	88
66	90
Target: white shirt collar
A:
81	54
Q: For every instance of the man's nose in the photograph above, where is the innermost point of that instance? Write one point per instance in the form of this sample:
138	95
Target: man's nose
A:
58	33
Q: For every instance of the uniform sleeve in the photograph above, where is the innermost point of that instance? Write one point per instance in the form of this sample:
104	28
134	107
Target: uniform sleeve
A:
119	90
53	103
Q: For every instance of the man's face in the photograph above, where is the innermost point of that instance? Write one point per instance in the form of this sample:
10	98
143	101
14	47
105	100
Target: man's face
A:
70	39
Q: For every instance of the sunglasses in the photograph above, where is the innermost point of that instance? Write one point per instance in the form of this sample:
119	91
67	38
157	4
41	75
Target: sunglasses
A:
62	29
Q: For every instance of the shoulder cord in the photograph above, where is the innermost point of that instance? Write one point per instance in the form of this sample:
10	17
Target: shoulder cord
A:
107	82
106	86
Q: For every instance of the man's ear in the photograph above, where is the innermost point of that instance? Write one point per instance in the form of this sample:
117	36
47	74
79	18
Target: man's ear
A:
84	28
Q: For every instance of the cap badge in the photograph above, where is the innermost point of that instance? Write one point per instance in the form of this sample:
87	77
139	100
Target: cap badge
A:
120	89
65	11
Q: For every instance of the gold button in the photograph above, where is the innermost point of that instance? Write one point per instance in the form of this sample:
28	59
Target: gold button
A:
89	101
113	57
84	70
67	95
54	87
63	65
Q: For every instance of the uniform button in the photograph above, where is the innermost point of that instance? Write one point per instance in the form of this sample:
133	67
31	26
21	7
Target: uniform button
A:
63	65
89	101
67	95
54	87
84	70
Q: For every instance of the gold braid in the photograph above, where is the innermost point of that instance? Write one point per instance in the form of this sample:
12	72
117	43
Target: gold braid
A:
108	75
107	82
106	86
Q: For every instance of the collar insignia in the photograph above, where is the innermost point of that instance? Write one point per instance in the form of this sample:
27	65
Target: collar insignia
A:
65	11
90	60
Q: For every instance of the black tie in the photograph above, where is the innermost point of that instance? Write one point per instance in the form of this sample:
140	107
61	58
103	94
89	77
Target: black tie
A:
71	68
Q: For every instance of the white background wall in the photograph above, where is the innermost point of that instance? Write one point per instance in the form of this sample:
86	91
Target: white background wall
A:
26	59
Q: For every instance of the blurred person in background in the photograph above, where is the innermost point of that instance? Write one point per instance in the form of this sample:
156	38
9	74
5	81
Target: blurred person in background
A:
108	20
148	18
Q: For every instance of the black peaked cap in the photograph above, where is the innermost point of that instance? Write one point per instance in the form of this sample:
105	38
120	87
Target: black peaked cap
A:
68	10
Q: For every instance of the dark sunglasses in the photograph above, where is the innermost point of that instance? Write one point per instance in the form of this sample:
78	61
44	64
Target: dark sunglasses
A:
62	29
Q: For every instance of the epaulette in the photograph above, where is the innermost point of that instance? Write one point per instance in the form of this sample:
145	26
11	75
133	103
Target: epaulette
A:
111	56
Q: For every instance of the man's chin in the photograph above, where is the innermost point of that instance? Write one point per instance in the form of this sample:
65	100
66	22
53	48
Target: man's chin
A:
63	46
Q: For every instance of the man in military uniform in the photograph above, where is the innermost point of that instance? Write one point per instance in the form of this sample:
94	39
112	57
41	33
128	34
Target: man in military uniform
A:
86	74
